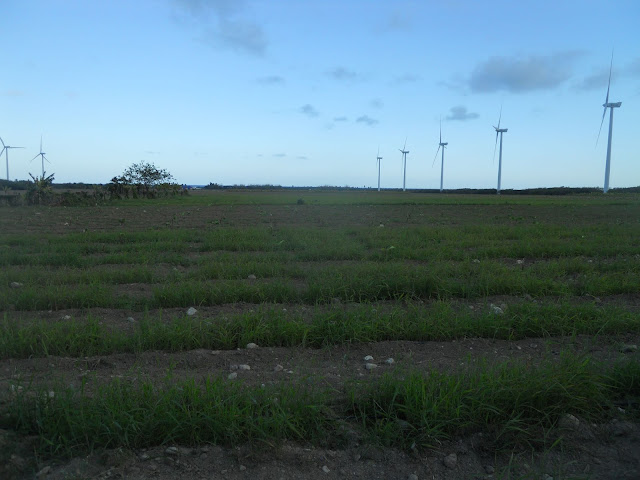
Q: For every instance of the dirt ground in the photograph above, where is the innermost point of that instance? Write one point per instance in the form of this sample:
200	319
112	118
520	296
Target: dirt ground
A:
587	451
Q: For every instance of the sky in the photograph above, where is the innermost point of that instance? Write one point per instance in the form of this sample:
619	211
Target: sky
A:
306	93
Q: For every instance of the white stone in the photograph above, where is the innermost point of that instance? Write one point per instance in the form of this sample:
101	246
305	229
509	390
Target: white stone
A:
172	451
368	358
278	368
131	319
244	366
192	311
325	469
370	366
568	422
16	285
252	277
389	361
450	461
251	345
232	375
495	309
67	317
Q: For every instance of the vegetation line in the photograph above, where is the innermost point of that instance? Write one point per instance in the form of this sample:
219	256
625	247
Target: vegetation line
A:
515	403
269	326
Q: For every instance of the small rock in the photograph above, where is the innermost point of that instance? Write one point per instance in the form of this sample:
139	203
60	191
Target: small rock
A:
232	375
325	469
172	451
242	468
67	317
568	422
389	361
192	311
629	348
489	469
244	367
546	476
233	367
43	472
368	358
278	368
475	260
144	457
621	428
381	225
520	262
413	476
251	345
131	319
450	461
251	277
17	285
495	309
370	366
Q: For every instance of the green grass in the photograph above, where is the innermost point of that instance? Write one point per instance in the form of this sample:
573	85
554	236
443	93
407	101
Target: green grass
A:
329	326
516	403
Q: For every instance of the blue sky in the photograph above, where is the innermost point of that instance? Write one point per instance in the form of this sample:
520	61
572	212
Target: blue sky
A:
294	92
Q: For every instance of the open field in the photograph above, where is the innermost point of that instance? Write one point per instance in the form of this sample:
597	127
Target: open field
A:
511	322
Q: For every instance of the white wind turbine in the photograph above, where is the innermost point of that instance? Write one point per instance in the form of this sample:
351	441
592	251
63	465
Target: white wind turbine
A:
378	158
404	165
440	145
41	154
606	105
499	131
5	150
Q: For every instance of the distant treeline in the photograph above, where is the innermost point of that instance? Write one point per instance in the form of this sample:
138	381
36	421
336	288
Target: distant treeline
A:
23	185
468	191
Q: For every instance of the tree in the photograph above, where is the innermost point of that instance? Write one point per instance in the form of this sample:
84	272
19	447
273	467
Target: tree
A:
146	174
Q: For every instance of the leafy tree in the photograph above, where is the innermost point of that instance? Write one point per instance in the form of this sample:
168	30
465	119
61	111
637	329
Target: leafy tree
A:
146	174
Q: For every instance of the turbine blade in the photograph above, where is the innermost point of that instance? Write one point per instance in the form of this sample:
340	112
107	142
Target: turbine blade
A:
34	158
2	143
500	117
495	147
601	123
405	143
45	158
41	143
609	84
436	156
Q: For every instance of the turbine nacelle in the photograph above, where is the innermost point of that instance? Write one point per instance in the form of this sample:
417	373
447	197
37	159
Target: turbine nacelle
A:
612	105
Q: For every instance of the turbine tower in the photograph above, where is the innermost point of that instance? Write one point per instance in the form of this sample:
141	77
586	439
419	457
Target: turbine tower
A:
440	145
378	158
41	154
606	105
5	150
499	131
404	165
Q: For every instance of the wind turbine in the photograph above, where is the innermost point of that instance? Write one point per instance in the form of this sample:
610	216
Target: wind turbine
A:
378	158
499	131
5	150
606	105
41	154
404	163
440	145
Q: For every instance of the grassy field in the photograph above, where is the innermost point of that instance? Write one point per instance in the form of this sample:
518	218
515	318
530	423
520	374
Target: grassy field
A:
318	273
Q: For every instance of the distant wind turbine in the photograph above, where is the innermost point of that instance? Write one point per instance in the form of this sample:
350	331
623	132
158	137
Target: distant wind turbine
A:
440	145
606	105
499	131
378	158
41	154
5	150
404	165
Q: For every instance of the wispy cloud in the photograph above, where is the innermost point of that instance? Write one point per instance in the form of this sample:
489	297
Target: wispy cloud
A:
407	78
302	157
376	103
343	74
340	119
271	80
600	78
522	74
460	113
221	26
279	155
309	111
367	120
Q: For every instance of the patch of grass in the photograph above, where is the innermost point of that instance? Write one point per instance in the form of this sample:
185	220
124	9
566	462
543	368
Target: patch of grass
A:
514	403
329	326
